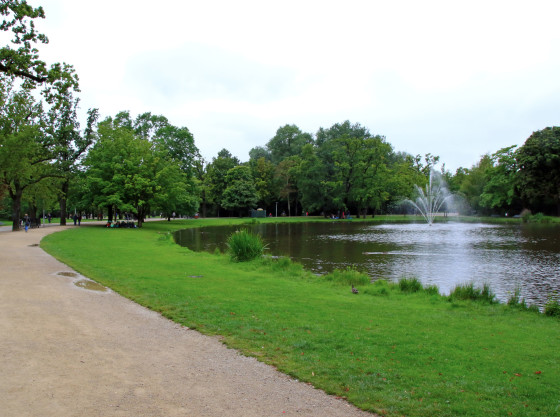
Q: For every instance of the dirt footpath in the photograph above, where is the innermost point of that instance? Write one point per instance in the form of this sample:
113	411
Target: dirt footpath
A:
66	350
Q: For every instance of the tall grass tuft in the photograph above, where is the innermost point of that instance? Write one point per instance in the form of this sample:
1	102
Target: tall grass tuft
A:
410	285
516	301
552	306
244	246
348	276
469	292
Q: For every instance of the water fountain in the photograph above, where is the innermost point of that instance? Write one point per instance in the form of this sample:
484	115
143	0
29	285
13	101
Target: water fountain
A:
431	201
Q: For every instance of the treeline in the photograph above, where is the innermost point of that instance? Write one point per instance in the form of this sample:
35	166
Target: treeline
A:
513	180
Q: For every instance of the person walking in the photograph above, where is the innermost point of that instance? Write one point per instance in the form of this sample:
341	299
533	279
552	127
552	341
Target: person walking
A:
26	222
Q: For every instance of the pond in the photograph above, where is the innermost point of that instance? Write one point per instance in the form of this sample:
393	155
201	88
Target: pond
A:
444	254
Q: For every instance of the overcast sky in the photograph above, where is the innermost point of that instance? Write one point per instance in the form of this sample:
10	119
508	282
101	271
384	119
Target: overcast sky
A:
455	79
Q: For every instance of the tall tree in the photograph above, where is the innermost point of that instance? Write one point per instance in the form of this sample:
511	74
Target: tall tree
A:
63	131
216	177
240	194
539	169
285	177
262	171
24	157
499	191
21	59
312	181
288	141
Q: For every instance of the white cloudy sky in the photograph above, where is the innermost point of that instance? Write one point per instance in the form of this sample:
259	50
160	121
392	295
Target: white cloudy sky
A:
456	79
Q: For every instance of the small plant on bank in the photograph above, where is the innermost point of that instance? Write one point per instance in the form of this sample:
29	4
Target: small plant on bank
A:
552	306
244	246
516	301
410	285
348	276
469	292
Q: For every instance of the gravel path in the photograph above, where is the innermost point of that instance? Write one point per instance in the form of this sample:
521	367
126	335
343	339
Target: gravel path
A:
66	350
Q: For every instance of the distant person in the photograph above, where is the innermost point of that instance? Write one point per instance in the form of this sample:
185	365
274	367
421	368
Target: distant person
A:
75	218
26	222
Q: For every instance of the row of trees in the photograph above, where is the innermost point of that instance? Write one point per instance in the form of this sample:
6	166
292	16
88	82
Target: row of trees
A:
513	179
340	168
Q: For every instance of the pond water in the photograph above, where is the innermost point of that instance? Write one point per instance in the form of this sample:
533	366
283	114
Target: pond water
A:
445	254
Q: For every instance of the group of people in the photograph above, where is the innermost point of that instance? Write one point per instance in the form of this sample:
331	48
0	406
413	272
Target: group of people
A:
129	224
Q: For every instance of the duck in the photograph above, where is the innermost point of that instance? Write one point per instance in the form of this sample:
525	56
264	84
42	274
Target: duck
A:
354	290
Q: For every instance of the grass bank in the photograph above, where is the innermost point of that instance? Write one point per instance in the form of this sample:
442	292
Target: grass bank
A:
386	350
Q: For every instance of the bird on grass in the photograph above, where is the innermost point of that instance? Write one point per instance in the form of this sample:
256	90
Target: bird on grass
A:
354	290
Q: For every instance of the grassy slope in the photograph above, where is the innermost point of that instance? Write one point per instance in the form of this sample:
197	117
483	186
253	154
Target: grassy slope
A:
394	353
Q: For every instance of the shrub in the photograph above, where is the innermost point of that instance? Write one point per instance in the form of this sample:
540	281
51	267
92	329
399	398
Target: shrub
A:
410	285
244	246
348	276
432	289
552	306
469	292
516	301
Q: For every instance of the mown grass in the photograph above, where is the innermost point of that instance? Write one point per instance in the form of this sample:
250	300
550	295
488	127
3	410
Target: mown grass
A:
394	352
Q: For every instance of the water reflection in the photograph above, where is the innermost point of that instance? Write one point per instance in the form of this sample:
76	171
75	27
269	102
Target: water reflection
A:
446	254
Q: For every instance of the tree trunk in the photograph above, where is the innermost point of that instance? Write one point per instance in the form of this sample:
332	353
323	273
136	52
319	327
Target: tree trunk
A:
16	206
65	186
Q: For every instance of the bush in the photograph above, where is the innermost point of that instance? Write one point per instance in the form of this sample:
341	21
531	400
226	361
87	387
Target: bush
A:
516	301
244	246
431	289
410	285
469	292
552	306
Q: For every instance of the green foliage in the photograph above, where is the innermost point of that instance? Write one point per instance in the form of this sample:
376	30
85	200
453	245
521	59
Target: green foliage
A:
244	246
215	177
539	169
348	276
240	194
499	191
552	306
410	285
527	217
470	292
288	141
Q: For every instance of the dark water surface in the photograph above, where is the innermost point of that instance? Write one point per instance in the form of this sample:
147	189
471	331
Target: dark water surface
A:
446	254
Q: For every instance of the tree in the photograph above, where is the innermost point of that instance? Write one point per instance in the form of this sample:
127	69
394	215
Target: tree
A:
24	61
262	171
539	169
121	171
69	145
21	59
285	177
128	173
356	167
24	157
474	181
500	190
311	180
240	193
259	152
288	141
216	173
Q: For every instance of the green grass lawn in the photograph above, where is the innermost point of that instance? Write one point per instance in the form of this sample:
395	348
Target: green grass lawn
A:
384	350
